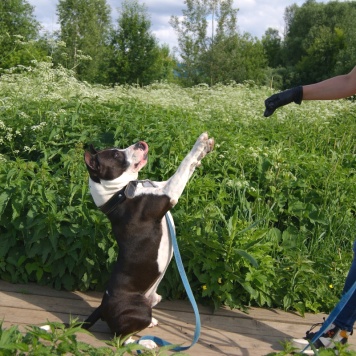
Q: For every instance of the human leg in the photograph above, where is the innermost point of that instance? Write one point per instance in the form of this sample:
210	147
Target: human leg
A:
342	326
347	317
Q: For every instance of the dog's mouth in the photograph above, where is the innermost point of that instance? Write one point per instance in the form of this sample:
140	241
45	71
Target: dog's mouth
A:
143	146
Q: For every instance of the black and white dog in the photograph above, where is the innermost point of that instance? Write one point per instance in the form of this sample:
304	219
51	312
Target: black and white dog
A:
136	210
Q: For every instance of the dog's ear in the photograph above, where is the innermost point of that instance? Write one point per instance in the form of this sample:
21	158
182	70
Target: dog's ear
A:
92	149
92	165
90	161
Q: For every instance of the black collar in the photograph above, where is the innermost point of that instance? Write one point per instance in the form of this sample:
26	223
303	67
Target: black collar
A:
126	192
115	200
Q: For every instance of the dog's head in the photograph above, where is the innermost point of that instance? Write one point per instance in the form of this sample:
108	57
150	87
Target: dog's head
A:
112	163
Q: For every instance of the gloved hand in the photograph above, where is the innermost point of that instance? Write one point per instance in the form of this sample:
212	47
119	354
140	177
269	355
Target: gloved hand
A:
283	98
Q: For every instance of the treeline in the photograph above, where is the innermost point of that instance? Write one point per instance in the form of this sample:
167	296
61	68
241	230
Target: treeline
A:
318	42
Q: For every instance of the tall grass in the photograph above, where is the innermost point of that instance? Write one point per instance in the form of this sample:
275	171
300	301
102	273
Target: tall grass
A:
268	220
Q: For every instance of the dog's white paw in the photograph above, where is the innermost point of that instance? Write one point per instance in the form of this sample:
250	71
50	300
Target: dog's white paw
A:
130	340
204	145
203	137
148	343
210	145
154	322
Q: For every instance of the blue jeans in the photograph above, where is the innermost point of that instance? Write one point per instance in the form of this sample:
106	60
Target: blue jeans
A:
346	319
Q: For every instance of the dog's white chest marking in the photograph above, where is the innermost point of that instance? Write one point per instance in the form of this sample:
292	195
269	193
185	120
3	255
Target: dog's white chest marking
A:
103	191
165	253
165	250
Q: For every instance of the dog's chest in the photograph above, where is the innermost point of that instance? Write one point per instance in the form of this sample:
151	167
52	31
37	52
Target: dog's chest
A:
165	250
164	256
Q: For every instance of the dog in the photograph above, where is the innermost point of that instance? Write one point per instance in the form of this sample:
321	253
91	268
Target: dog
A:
136	210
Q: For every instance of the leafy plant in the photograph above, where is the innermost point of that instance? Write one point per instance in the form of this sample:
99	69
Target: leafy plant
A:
253	223
58	339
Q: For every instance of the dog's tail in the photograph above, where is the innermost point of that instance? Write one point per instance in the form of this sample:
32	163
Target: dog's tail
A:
92	318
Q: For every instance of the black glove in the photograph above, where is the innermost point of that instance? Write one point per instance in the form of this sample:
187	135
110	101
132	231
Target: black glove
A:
283	98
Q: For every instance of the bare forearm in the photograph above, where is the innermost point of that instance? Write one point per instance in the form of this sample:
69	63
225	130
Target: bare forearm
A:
341	86
338	87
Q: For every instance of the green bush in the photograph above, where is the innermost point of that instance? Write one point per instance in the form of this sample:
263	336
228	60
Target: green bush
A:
62	340
268	220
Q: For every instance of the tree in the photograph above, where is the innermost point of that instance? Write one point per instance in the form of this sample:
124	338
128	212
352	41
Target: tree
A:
220	44
346	58
85	28
135	51
319	40
221	55
238	58
322	46
163	67
195	44
19	32
192	39
272	45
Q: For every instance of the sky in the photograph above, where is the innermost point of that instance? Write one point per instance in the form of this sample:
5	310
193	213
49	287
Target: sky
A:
254	16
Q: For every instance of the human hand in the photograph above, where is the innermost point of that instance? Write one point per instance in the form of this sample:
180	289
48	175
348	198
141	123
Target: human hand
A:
283	98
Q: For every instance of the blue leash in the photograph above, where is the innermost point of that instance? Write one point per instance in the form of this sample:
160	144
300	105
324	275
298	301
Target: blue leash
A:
333	315
183	276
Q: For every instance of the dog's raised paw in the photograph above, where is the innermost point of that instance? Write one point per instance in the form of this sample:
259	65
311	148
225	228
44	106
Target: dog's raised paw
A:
210	145
148	343
203	137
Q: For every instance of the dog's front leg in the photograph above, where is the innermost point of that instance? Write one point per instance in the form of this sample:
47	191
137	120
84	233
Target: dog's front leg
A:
176	184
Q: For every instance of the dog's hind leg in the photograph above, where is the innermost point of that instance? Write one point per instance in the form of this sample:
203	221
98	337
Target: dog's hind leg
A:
92	318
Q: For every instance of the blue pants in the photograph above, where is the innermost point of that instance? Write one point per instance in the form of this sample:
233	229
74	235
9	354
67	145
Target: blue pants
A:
347	317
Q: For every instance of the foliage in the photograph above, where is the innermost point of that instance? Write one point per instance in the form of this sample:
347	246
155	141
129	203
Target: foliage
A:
272	44
136	56
62	340
268	220
318	42
18	32
346	58
192	32
84	28
235	58
340	350
218	57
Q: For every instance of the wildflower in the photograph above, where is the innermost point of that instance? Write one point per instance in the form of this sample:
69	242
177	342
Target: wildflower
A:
205	287
331	286
23	115
38	127
219	280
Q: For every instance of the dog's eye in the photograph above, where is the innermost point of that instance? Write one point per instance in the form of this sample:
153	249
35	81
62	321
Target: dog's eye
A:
117	153
119	156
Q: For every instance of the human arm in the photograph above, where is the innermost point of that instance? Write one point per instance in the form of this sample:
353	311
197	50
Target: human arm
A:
341	86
